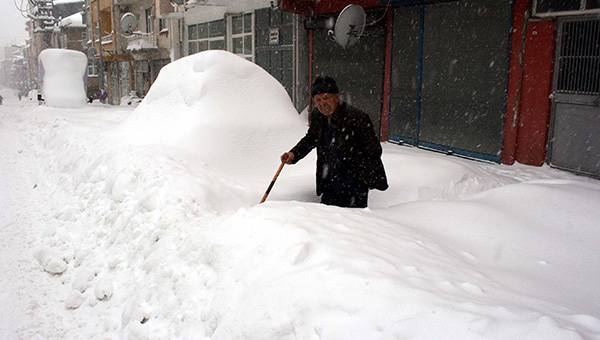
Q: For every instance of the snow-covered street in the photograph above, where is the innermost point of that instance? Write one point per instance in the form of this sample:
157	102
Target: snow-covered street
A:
144	223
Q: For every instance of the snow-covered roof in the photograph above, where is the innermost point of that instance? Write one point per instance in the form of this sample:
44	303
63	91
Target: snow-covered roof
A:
75	20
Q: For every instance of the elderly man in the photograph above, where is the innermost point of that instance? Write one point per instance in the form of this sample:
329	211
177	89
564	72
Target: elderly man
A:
348	151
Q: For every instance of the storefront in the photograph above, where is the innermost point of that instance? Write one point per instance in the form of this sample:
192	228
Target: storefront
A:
501	81
448	76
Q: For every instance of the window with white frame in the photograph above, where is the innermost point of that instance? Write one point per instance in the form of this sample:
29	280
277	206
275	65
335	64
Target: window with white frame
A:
92	70
206	36
241	35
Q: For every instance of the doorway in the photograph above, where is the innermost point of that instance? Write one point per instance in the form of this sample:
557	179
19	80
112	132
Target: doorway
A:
449	64
575	127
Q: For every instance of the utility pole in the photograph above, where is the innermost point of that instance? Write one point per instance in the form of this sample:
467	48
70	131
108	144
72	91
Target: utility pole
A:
43	24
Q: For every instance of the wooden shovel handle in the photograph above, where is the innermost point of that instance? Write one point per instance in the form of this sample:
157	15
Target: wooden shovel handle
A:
272	182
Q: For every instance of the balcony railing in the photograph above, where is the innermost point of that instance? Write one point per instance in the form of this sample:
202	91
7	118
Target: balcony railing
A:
140	41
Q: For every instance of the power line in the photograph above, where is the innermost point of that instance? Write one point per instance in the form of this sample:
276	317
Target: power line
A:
24	6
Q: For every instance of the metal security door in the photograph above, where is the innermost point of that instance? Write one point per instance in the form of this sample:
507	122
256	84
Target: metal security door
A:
405	92
575	131
449	62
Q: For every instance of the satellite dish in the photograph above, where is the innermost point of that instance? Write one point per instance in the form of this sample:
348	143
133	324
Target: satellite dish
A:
129	22
91	52
349	25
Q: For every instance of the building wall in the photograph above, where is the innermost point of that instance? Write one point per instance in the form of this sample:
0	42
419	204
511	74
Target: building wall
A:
72	37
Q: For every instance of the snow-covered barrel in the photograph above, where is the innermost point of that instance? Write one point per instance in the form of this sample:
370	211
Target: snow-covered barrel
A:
63	77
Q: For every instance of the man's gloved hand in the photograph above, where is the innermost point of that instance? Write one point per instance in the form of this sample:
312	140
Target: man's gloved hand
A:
288	157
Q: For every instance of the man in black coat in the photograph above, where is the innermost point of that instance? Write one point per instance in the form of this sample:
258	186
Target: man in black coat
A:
348	151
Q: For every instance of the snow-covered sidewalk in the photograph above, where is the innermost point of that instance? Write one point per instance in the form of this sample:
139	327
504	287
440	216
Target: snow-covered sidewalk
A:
106	234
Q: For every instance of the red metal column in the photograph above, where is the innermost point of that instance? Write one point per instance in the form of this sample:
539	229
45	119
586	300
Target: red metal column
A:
519	23
385	110
529	86
536	86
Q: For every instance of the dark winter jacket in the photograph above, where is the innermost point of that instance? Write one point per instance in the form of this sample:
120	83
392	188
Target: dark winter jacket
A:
357	148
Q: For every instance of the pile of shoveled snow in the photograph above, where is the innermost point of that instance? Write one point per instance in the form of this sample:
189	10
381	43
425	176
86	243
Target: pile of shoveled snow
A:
229	112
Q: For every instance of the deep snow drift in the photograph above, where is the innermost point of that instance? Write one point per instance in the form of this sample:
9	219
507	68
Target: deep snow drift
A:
144	224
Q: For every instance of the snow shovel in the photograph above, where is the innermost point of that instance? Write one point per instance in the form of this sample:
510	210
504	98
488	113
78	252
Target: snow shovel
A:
272	182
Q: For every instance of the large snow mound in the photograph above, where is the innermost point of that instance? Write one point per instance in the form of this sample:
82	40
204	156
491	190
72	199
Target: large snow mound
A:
105	240
63	77
230	112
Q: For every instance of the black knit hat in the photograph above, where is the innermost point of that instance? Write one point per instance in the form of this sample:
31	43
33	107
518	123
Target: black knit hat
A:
324	84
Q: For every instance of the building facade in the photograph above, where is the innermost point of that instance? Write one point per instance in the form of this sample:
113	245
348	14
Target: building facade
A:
502	81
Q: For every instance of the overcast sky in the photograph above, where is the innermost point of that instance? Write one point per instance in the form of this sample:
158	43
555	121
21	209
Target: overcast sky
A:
12	23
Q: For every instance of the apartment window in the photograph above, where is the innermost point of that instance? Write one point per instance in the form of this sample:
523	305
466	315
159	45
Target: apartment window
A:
206	36
163	25
92	70
149	20
241	35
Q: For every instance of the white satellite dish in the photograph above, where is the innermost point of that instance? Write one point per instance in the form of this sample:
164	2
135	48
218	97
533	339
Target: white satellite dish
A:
349	25
129	22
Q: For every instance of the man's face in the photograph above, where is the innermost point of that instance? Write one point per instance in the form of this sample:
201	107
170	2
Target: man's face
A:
327	102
